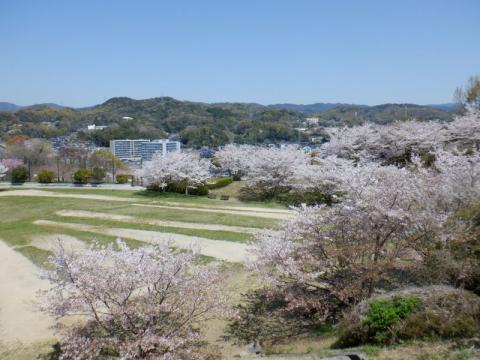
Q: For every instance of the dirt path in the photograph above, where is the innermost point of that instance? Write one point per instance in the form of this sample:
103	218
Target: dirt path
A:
260	213
19	283
236	208
52	241
177	224
220	249
42	193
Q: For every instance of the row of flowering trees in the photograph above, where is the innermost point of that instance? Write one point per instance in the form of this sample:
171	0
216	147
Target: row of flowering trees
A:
391	227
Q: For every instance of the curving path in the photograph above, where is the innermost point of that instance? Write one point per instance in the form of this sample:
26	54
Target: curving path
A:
166	223
257	213
19	284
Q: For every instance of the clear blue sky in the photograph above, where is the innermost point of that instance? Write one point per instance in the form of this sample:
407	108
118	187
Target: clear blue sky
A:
83	52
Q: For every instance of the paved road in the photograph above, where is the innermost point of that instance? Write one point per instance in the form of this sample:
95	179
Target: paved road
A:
4	184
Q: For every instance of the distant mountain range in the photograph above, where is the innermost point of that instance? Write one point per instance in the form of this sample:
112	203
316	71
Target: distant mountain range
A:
6	106
200	124
303	108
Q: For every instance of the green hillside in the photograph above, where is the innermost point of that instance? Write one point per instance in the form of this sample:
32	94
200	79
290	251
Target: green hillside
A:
381	114
195	124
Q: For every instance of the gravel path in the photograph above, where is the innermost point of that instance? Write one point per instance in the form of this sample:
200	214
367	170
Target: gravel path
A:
136	220
19	283
220	249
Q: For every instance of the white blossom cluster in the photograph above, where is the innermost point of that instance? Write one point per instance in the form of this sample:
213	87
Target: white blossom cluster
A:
386	142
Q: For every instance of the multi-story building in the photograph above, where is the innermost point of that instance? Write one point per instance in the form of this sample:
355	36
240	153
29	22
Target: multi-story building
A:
148	149
142	149
127	149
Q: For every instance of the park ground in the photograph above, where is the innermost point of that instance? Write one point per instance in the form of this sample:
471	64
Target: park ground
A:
33	220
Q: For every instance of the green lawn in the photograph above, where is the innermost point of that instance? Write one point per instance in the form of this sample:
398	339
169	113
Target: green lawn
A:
208	234
17	214
148	196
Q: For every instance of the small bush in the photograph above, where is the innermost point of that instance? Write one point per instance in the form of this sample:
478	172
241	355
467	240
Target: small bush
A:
219	183
19	174
81	176
259	192
46	176
268	316
383	313
419	313
122	178
97	175
296	198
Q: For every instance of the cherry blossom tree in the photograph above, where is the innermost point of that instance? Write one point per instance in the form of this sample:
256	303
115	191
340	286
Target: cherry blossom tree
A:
380	213
272	170
322	175
187	167
236	158
144	303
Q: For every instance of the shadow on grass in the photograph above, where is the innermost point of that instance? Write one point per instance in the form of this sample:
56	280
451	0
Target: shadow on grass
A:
160	194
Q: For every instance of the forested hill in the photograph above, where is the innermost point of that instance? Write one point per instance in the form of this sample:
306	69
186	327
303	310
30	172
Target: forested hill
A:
196	124
379	114
316	108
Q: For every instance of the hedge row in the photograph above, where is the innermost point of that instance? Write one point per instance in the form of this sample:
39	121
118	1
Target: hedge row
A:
179	188
220	183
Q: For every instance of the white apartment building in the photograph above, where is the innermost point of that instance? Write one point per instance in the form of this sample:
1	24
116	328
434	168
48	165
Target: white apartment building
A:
142	149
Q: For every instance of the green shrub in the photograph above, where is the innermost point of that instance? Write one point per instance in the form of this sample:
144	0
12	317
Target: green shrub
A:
97	175
81	176
259	192
383	313
46	176
122	178
219	183
179	187
419	313
297	198
19	174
